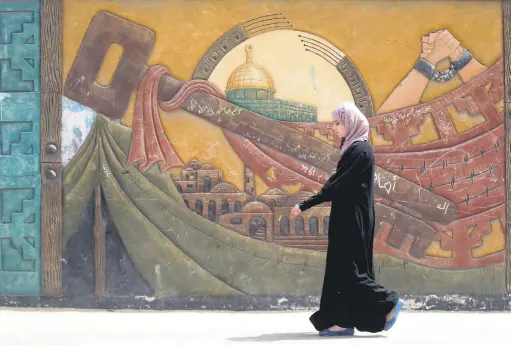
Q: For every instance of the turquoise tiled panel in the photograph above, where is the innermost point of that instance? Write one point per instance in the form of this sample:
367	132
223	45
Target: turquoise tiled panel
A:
20	137
20	121
20	239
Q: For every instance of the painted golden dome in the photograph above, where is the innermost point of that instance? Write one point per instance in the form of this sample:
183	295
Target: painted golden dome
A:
250	76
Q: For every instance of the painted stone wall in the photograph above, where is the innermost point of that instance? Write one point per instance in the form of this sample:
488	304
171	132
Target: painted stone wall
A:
191	129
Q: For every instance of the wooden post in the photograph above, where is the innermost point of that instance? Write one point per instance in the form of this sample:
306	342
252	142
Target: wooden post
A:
51	117
506	18
99	246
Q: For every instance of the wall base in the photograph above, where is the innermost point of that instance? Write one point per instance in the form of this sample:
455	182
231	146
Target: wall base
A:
422	302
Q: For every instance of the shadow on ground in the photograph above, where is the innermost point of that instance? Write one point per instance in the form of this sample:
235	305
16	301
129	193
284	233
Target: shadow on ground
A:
295	336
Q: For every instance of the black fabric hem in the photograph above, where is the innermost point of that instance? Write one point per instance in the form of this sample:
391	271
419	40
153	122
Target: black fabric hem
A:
372	320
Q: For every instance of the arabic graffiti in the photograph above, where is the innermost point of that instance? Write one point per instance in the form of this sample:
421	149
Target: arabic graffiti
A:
388	186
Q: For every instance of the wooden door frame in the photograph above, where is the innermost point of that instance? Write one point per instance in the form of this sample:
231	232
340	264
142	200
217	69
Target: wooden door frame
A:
51	117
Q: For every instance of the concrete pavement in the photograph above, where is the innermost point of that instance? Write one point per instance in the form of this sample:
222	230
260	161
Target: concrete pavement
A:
73	327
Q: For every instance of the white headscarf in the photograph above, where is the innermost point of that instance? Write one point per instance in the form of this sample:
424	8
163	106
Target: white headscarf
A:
356	124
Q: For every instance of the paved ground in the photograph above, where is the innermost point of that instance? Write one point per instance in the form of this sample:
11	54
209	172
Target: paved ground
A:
59	327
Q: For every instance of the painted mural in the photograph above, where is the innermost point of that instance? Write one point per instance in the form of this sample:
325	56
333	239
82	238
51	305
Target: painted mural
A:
191	129
199	176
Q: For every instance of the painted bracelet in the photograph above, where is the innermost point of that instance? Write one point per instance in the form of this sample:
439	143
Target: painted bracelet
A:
425	68
462	60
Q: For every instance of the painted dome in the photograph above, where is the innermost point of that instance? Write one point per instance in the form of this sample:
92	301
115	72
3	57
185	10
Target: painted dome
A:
224	187
250	76
255	207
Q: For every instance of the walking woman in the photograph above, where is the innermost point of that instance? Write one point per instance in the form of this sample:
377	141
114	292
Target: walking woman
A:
351	298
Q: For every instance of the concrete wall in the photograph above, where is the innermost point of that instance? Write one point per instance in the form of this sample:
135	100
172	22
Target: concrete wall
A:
133	131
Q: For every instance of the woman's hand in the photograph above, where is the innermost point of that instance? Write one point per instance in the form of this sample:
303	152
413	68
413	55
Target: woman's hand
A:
296	211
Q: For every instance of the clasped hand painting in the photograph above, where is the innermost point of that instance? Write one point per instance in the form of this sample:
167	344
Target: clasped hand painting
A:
190	129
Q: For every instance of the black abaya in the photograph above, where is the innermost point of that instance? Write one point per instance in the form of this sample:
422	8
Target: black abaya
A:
350	297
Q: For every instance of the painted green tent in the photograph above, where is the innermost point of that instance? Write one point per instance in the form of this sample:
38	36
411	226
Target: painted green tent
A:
176	251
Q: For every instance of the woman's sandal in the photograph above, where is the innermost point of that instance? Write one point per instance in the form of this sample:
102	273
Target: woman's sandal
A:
397	309
329	333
